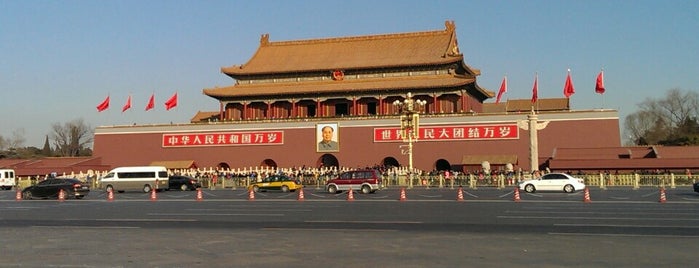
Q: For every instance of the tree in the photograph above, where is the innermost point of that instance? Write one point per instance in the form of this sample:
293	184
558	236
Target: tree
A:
687	133
71	138
668	121
12	147
16	141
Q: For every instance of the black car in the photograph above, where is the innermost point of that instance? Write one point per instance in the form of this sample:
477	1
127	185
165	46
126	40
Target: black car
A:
49	188
696	187
183	183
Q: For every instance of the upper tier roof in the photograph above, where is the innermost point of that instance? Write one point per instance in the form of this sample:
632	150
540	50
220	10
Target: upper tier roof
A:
346	53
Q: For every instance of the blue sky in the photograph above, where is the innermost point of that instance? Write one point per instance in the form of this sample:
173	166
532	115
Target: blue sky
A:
60	59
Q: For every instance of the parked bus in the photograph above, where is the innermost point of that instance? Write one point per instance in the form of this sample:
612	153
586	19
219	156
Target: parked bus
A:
7	179
145	178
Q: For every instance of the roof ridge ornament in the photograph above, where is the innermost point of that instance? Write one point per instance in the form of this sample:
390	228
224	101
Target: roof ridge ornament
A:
264	40
450	25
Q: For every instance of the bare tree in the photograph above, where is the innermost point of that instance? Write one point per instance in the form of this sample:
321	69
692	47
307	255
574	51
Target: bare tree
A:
15	142
638	124
663	120
677	107
18	138
71	138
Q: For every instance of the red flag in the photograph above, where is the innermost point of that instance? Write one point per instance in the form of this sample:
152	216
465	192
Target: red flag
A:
127	105
104	105
599	87
535	90
503	89
171	103
151	102
568	89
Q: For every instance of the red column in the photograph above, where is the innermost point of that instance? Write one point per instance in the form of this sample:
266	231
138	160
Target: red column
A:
269	110
354	106
220	111
319	113
293	108
463	102
435	107
244	115
380	112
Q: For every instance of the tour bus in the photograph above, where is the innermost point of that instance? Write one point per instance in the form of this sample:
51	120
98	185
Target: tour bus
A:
7	179
145	178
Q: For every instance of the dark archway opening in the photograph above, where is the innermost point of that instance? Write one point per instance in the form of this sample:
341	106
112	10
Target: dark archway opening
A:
390	162
223	166
328	160
269	163
442	164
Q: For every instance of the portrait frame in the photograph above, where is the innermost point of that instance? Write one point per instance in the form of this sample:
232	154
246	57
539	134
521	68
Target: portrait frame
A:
333	145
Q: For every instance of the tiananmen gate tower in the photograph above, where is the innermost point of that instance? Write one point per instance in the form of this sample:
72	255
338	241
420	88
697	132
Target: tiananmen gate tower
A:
282	100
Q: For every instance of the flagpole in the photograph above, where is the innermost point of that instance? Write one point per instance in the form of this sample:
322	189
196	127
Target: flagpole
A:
505	90
602	101
602	71
536	80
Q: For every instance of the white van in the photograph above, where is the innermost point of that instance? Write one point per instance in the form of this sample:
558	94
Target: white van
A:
7	179
144	179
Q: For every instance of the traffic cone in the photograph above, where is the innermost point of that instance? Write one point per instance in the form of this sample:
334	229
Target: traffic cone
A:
18	195
350	195
663	198
110	195
586	197
251	195
153	195
460	194
402	195
517	198
61	195
200	196
301	197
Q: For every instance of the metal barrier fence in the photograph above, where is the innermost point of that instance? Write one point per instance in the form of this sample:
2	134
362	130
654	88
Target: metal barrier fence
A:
473	181
466	180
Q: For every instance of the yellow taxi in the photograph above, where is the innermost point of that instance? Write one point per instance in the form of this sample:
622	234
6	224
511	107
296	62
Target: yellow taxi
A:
276	182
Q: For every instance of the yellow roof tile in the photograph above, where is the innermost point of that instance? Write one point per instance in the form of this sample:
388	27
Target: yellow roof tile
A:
345	53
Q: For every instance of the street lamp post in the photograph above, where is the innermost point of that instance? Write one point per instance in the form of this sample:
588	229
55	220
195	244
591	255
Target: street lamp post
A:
409	126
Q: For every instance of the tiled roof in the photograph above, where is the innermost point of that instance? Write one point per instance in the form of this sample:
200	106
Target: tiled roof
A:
519	105
593	153
627	164
60	165
549	104
674	152
346	53
634	157
332	86
203	116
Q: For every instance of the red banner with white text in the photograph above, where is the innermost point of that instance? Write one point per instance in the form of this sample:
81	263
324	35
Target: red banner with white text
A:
452	133
224	139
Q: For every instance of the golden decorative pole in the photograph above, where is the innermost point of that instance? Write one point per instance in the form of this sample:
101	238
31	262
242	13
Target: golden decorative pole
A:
409	126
